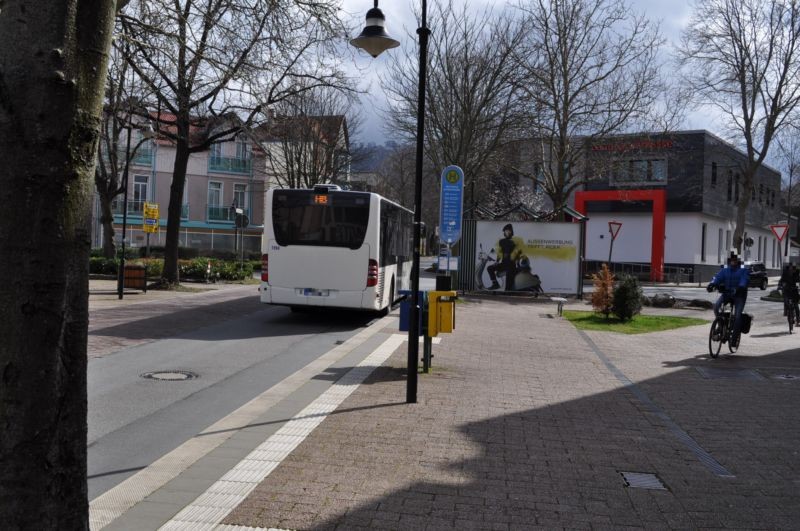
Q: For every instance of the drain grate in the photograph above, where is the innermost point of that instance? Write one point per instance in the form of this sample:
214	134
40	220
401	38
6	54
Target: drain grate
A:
786	377
642	480
170	376
546	316
713	373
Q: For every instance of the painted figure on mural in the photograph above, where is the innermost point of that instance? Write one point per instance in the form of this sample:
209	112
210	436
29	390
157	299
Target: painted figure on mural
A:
509	250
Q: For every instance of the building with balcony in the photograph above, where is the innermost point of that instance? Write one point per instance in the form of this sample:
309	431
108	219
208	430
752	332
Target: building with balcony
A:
219	182
231	176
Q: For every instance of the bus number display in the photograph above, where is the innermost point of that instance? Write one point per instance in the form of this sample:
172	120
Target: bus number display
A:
320	199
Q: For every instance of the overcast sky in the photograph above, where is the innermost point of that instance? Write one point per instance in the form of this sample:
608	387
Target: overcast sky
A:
672	15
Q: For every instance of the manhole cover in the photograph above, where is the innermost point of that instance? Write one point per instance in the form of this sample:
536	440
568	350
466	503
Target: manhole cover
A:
170	376
711	373
641	480
786	377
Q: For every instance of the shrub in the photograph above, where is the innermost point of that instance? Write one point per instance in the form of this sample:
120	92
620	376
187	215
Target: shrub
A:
603	294
154	266
157	251
627	298
233	270
193	269
102	266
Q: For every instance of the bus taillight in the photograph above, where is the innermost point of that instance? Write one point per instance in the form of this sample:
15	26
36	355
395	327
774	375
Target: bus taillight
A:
372	273
264	268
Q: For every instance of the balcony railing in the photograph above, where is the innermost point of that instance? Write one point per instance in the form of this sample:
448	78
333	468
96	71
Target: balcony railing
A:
229	165
143	156
135	208
223	214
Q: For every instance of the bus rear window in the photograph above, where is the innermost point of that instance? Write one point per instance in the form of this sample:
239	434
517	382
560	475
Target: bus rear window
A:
335	219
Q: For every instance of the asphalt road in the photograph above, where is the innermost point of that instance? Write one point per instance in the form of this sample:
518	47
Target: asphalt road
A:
134	420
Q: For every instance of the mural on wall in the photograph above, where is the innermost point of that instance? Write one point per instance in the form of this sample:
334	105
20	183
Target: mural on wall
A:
527	256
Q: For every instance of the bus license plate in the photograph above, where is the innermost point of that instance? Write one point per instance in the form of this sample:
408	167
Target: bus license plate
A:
311	292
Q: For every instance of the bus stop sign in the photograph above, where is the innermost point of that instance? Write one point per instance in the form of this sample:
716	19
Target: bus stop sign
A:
451	204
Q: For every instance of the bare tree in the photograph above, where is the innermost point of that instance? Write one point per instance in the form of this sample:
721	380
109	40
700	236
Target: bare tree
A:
788	157
307	142
589	69
472	105
53	60
396	174
742	58
121	116
213	67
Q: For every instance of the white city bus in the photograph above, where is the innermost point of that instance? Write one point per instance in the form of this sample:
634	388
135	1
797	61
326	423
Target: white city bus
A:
332	248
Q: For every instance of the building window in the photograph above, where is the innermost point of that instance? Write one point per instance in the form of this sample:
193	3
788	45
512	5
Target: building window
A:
638	172
730	187
215	151
753	193
214	194
139	193
736	194
773	252
242	150
713	175
761	193
719	247
727	241
239	195
703	243
185	201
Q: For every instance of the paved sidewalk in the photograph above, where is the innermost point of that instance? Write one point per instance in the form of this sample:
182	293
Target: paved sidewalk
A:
527	423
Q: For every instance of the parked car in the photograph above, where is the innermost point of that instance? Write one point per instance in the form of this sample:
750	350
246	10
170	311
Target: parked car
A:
758	274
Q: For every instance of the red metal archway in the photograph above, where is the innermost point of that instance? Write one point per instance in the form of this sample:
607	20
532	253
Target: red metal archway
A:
659	199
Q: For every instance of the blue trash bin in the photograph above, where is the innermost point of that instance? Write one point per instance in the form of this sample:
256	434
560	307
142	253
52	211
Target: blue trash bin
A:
405	310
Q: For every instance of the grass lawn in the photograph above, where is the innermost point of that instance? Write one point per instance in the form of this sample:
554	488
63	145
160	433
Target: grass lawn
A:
640	324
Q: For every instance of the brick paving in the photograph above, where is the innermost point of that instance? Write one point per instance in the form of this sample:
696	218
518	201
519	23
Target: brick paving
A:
521	425
141	317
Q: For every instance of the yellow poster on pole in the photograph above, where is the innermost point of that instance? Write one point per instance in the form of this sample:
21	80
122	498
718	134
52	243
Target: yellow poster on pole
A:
150	217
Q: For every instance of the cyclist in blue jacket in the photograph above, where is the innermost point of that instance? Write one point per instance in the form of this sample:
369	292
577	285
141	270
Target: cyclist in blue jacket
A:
732	283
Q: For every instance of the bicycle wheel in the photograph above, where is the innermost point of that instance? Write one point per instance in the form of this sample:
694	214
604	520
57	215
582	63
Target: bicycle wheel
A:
733	342
715	336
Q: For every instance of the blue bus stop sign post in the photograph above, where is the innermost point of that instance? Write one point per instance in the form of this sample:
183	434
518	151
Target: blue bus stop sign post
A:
451	206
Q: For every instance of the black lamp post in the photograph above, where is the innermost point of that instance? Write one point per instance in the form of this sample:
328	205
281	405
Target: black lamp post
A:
375	40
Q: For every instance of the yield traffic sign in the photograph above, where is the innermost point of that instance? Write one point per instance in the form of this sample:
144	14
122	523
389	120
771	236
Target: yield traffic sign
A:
613	228
780	230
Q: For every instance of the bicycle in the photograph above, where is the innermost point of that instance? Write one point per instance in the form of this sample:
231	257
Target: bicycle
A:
722	330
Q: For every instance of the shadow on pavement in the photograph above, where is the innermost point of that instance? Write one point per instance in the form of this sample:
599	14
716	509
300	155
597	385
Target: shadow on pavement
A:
135	324
557	466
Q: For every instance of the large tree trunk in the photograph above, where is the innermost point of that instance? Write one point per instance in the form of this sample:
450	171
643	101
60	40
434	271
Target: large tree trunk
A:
107	220
170	272
52	70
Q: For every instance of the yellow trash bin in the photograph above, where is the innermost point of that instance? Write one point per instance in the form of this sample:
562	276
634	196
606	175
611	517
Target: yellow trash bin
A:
441	312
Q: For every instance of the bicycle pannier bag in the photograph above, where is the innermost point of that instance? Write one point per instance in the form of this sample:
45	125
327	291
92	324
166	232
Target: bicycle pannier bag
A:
747	320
